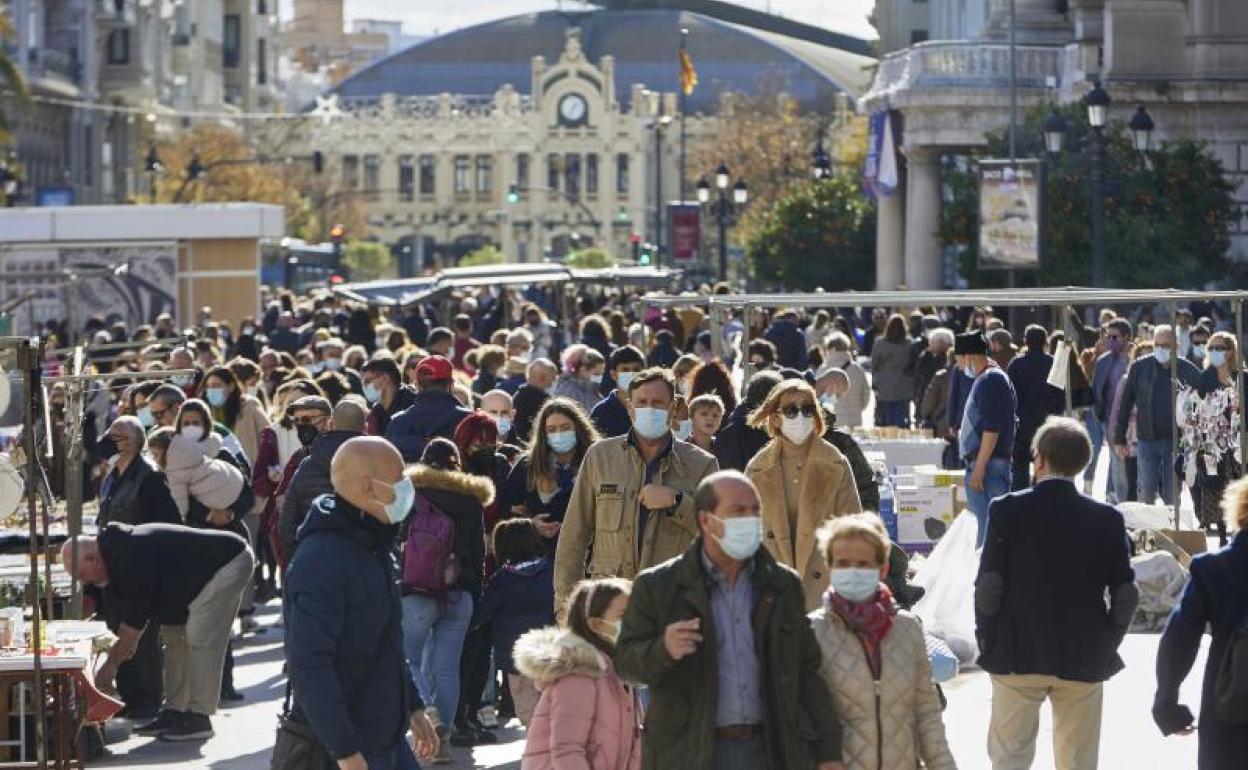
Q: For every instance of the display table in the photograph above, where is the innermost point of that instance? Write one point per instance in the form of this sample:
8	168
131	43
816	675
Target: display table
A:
906	452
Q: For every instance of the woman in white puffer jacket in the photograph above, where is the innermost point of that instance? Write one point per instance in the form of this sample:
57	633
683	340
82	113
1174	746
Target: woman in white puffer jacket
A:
874	660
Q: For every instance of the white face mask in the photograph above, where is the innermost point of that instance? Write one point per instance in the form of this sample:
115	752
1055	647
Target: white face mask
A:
193	432
797	429
684	429
742	536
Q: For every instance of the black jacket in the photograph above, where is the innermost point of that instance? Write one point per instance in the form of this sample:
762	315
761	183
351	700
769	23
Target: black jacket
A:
864	477
1037	399
310	481
344	631
463	498
736	443
790	344
1217	597
527	402
1051	555
1149	391
138	496
379	416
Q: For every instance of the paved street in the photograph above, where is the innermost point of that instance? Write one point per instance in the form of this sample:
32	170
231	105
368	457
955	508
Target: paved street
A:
245	733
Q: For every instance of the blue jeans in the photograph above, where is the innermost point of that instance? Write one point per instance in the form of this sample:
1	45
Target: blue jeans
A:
398	758
433	637
1096	432
1116	484
997	478
895	413
739	755
1156	464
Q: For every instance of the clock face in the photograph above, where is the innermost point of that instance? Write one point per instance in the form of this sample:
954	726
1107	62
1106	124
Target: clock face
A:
572	108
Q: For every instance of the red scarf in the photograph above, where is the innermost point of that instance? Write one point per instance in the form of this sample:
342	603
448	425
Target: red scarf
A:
870	620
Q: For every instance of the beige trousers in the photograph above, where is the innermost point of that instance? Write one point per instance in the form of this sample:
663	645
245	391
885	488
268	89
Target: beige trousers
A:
1016	700
524	695
195	653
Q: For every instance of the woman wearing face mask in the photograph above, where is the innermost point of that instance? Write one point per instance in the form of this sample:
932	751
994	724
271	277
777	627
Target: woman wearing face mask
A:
581	375
802	480
682	425
586	716
874	660
1219	377
839	354
434	626
540	484
242	414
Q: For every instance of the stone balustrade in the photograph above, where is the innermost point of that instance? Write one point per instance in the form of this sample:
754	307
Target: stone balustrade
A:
964	64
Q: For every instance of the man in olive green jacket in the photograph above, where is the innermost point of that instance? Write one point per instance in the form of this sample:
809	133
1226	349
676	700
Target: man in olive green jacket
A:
720	636
633	497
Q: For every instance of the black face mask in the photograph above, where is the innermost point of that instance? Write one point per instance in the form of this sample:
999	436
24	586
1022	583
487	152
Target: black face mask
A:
481	462
107	447
307	433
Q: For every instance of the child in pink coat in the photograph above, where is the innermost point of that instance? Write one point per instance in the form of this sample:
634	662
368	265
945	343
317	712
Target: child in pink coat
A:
587	718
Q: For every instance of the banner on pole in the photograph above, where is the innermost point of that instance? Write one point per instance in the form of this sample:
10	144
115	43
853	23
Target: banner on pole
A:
1011	214
684	231
880	175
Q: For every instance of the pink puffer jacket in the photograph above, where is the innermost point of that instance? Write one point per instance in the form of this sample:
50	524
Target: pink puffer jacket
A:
586	718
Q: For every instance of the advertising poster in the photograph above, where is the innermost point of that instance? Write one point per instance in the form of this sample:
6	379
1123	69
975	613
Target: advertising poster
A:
1010	214
684	231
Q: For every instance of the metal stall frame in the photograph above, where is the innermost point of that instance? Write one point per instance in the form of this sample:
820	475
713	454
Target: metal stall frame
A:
1055	297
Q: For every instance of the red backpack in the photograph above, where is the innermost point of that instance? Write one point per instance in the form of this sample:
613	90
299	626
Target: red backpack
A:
430	566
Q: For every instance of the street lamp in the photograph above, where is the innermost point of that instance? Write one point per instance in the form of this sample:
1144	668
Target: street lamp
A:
820	161
724	207
1141	125
1054	132
153	166
1097	101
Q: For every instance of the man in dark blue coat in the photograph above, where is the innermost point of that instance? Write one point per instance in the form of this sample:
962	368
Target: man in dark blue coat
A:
610	416
434	411
789	340
1044	632
344	636
1037	400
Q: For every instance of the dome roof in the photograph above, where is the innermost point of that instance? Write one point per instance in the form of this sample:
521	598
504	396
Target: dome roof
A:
481	59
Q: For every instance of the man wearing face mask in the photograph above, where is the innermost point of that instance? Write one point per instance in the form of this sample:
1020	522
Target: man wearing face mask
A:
739	665
312	477
986	436
350	681
633	499
498	404
540	379
384	389
1110	368
610	416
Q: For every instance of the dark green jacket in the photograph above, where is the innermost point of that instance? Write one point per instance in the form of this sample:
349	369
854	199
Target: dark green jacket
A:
802	727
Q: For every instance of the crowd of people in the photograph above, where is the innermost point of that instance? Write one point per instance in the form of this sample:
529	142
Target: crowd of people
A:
587	520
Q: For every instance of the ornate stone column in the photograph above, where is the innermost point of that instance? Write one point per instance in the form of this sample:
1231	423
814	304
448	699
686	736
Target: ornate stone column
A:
922	247
890	240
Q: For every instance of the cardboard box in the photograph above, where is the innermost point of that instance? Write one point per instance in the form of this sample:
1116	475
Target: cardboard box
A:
924	514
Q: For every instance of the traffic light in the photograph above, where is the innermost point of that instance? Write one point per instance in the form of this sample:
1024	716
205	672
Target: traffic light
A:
318	161
513	193
647	249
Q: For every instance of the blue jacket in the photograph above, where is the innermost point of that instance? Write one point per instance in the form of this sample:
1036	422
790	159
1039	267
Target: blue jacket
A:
790	344
610	417
959	391
1050	556
1216	595
432	413
344	634
521	597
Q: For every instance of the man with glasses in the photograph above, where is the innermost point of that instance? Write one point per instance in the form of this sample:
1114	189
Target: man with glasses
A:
311	416
1110	368
1149	391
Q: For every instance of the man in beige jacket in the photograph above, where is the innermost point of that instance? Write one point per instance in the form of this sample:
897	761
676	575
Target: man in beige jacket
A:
633	499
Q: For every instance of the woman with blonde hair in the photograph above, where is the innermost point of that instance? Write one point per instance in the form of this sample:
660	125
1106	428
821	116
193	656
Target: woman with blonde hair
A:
874	659
586	717
1216	597
802	480
1217	384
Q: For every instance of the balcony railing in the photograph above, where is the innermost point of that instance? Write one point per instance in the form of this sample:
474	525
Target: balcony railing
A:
964	63
46	62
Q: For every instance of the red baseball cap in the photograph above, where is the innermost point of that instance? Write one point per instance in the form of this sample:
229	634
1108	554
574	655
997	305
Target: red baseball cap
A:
434	369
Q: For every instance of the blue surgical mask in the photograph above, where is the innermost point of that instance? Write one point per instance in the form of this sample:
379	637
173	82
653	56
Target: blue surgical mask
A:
650	423
1216	357
332	364
404	495
504	425
181	380
624	379
1198	351
856	584
1162	355
969	370
742	536
146	418
684	429
561	442
596	379
828	401
216	396
371	393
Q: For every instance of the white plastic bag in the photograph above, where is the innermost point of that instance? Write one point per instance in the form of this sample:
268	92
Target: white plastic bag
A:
1059	372
1161	580
1144	516
948	576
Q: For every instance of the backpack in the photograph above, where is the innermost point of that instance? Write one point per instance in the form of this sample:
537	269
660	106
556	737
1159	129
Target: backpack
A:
430	566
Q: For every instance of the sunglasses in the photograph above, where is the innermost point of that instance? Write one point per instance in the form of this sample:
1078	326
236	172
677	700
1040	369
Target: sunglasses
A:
805	410
1219	349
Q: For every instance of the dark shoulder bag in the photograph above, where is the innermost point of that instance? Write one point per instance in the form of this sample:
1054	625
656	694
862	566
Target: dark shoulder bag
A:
296	746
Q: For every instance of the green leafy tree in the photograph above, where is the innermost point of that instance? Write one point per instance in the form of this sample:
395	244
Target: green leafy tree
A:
821	234
589	259
486	255
368	261
1168	220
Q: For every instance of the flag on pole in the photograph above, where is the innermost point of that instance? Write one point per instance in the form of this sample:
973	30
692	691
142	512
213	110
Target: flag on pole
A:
688	75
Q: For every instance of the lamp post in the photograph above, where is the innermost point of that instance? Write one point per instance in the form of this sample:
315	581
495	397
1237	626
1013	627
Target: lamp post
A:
153	166
724	208
1097	102
821	161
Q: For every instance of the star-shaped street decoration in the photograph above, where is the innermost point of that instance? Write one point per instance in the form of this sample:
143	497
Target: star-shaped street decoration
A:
327	108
